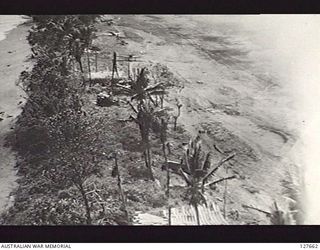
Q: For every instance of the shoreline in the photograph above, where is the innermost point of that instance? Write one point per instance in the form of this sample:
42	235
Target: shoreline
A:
231	102
9	23
13	54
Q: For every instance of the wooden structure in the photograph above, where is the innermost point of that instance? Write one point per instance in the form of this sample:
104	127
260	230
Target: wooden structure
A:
122	58
185	215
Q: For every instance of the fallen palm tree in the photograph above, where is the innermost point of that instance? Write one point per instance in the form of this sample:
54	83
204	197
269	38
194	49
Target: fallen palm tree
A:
276	215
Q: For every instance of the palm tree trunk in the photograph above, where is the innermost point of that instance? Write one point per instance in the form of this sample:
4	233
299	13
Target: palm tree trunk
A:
149	164
89	68
64	67
197	214
96	61
81	70
86	204
225	196
129	74
175	123
168	181
122	195
147	153
145	156
73	67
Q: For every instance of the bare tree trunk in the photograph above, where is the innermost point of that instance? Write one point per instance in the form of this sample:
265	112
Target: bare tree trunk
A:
129	70
81	70
225	198
168	181
197	214
149	163
86	204
122	195
96	61
89	68
64	70
162	99
80	65
175	123
147	154
73	67
176	117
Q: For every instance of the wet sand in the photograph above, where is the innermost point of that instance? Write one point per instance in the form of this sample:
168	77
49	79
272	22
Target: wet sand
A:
13	53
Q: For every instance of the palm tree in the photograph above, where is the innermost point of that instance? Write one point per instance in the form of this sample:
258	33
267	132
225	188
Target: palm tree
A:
140	90
147	118
66	36
197	173
147	112
280	217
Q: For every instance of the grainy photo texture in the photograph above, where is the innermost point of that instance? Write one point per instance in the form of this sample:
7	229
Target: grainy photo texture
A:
159	120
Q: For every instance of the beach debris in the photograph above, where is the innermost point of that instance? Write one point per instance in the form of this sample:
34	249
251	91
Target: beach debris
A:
251	189
267	213
175	117
174	166
114	33
280	216
109	21
123	42
234	214
105	100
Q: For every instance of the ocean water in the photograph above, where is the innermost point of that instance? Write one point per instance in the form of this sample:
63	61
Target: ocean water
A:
9	22
288	46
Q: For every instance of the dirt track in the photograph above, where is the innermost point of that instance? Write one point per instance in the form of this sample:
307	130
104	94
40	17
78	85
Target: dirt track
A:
232	91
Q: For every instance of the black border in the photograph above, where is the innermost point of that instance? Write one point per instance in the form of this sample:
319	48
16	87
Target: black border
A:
159	6
155	234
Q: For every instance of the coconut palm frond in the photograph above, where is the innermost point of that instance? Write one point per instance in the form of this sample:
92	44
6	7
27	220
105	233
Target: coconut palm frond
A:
218	149
185	176
207	162
214	169
186	155
157	92
155	87
133	108
220	180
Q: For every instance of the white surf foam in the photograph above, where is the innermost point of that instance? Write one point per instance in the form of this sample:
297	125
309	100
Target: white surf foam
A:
9	22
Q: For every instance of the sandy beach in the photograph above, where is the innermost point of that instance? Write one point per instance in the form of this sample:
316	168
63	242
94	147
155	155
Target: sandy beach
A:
13	53
243	98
